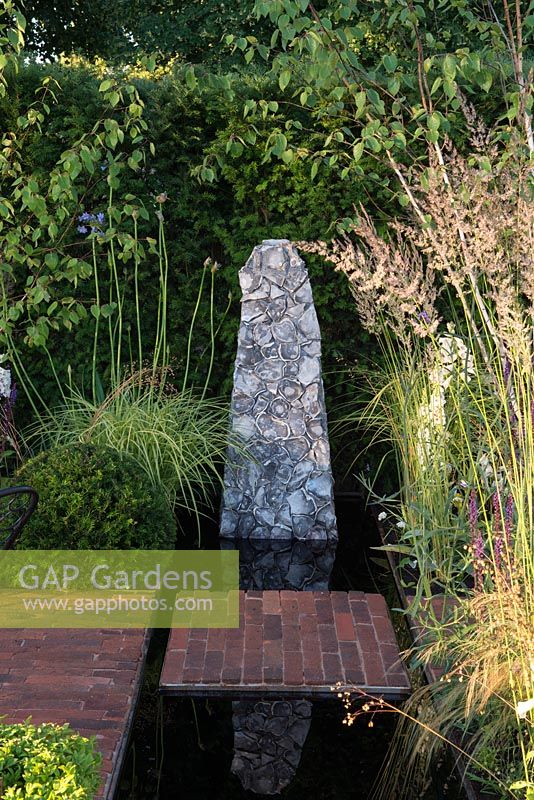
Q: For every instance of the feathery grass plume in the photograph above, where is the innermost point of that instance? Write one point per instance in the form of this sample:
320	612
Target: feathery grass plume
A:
450	293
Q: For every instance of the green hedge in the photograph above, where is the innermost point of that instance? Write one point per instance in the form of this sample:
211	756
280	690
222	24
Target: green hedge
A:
252	201
47	762
90	498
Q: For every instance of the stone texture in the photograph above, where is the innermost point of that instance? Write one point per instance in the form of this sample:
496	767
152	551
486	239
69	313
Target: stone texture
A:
278	408
278	506
268	741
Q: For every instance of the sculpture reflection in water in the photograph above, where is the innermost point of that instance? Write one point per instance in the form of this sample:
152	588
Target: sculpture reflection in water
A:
278	506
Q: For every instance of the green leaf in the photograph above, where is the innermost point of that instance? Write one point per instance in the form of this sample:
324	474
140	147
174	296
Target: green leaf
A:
395	548
357	151
390	62
434	121
280	144
190	78
108	309
284	78
435	86
393	85
484	78
449	67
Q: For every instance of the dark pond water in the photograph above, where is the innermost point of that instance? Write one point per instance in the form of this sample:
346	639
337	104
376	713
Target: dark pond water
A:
181	749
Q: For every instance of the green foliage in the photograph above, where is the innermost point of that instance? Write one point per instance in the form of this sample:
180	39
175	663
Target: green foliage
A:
42	264
389	79
178	439
47	762
254	199
191	30
93	498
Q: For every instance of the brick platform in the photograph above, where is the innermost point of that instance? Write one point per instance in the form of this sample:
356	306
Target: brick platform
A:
290	643
88	678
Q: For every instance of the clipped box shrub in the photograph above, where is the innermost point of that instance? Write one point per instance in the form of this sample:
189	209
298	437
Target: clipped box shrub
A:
47	762
93	498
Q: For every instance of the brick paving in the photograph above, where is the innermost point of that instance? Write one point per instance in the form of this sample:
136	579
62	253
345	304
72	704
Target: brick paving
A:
290	643
88	678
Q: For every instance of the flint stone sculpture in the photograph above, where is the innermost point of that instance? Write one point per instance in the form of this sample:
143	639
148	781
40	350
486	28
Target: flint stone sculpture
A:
284	489
268	741
278	506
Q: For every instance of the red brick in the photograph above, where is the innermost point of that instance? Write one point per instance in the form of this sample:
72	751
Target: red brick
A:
290	607
340	602
323	607
173	666
232	673
272	627
366	637
254	611
377	605
332	668
253	637
178	638
293	669
351	663
360	612
213	667
272	662
384	631
291	638
328	639
306	603
271	602
216	639
345	626
199	633
309	628
253	667
374	669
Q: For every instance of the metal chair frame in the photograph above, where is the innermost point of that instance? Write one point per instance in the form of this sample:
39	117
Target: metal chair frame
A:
16	515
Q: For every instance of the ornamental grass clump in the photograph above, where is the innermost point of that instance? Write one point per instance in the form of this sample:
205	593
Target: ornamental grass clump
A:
450	292
177	438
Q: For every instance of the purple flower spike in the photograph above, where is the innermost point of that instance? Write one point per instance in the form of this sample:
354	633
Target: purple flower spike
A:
424	316
477	542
